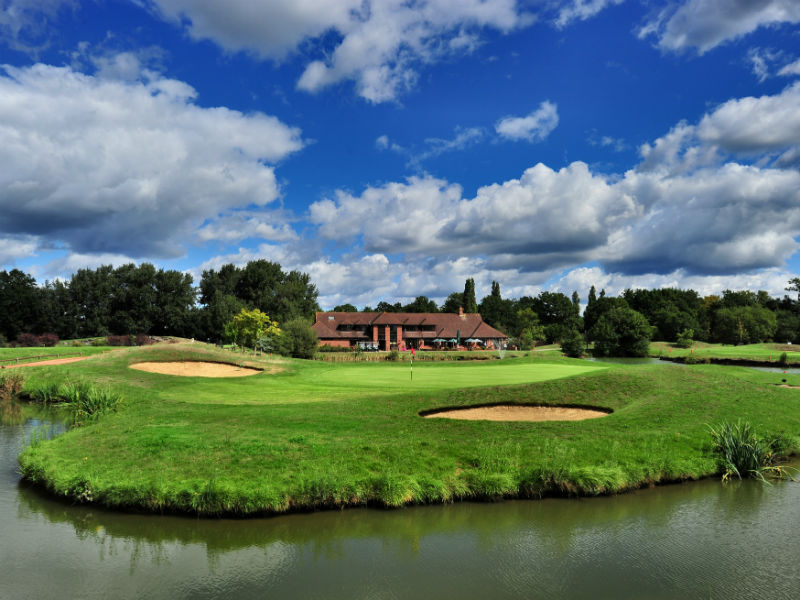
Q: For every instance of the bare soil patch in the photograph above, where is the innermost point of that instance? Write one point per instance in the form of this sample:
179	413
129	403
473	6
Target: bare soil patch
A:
519	413
195	369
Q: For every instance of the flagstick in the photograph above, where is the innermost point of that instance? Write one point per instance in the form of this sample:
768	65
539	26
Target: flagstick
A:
412	368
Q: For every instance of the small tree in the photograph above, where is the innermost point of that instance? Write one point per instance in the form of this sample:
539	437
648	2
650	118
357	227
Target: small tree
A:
298	339
685	339
622	332
251	326
530	330
573	344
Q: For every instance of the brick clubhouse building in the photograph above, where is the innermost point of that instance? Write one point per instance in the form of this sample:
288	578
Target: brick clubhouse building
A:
422	331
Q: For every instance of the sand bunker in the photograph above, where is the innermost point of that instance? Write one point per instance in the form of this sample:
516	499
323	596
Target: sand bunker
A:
519	413
195	369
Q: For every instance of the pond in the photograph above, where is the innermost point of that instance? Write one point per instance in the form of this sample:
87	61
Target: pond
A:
621	360
694	540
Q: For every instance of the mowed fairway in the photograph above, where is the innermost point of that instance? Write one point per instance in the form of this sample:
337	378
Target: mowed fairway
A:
305	434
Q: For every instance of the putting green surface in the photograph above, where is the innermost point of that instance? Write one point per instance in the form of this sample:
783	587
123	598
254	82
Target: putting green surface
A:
439	377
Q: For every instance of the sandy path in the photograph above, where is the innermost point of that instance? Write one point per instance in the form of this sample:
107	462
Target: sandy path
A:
195	369
54	361
520	413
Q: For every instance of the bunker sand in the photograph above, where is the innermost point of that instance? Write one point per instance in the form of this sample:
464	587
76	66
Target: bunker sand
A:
195	369
54	361
519	413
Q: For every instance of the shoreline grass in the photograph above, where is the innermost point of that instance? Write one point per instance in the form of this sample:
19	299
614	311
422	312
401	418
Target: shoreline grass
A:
320	435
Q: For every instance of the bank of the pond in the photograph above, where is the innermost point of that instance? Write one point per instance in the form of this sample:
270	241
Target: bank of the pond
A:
314	435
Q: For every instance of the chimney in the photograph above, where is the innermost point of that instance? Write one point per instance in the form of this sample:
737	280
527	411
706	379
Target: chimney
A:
461	312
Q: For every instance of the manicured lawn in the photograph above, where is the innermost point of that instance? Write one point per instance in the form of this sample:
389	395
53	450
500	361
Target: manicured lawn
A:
313	434
33	354
762	352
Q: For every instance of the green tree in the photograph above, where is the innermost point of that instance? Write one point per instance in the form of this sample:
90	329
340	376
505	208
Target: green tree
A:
557	313
298	339
345	308
250	327
621	331
496	311
744	325
470	302
529	330
19	303
421	304
573	344
685	339
452	303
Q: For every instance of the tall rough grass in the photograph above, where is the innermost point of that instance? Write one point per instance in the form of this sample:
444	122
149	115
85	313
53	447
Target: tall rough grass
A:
10	388
744	453
85	401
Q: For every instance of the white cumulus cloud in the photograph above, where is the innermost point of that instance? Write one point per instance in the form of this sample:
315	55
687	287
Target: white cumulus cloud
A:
705	24
534	127
126	167
381	46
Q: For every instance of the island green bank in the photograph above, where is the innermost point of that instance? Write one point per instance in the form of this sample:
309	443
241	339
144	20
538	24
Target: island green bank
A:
302	435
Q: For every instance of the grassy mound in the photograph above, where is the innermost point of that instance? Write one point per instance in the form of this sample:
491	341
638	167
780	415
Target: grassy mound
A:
304	435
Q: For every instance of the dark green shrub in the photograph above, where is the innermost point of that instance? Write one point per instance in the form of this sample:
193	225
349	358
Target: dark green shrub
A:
685	339
298	339
394	355
573	344
621	332
783	359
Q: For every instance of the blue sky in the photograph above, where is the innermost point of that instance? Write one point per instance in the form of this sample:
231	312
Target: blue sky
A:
394	148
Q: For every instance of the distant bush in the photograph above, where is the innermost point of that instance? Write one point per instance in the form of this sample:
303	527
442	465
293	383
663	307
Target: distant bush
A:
118	340
143	340
48	339
394	355
99	342
693	359
329	348
784	359
31	340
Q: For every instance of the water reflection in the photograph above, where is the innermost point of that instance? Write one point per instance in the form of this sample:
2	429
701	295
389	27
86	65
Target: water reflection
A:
668	542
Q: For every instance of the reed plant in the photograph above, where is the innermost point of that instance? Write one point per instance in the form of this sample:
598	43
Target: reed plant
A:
744	453
87	401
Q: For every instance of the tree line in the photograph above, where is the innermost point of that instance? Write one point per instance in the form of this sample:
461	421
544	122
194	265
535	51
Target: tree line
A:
667	314
131	300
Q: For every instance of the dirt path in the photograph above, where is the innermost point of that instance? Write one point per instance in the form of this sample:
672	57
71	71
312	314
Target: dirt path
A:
53	361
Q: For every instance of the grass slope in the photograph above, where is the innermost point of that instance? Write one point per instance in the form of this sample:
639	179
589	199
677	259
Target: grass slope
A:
313	434
10	355
767	352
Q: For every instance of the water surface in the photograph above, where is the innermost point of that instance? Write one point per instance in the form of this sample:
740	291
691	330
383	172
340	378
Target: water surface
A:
694	540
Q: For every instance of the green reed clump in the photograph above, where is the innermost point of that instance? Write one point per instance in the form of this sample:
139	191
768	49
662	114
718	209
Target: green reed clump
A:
87	401
44	392
744	453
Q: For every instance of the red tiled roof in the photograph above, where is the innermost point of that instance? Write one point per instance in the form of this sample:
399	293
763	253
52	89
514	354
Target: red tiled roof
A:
447	325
